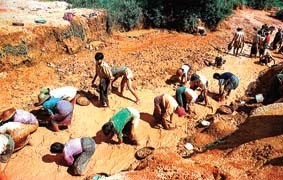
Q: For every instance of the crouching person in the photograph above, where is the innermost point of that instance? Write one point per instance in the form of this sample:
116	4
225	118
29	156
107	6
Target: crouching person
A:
19	124
6	147
124	122
77	153
60	111
227	82
164	108
67	93
185	97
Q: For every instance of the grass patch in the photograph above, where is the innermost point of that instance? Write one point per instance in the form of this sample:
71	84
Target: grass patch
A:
76	30
16	50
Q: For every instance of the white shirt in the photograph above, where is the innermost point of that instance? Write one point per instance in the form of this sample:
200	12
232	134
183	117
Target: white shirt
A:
3	143
10	126
64	92
193	94
203	79
186	68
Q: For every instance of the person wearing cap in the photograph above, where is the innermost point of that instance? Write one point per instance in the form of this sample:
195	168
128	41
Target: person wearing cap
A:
200	81
103	71
7	146
185	97
19	124
238	41
164	108
60	111
266	58
229	81
77	153
67	92
127	77
183	73
123	122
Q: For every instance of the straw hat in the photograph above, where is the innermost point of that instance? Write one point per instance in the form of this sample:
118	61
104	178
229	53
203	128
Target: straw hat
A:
42	98
7	114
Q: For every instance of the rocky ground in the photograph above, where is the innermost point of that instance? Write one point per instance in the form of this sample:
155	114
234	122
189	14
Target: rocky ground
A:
253	151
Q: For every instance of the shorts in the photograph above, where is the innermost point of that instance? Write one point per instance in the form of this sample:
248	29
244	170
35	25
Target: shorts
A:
232	83
129	74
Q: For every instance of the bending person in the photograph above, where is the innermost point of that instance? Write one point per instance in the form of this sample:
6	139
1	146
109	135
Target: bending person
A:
183	73
226	81
123	122
127	77
60	111
77	153
164	108
19	124
185	97
67	93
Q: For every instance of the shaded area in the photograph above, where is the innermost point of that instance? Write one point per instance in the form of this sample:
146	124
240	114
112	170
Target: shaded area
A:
57	158
149	119
100	137
275	162
116	91
254	128
90	96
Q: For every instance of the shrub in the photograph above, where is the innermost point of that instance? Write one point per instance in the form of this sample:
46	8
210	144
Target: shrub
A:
264	4
82	3
16	50
125	13
214	11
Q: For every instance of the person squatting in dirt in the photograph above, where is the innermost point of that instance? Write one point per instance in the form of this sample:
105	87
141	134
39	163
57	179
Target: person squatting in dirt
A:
103	71
229	81
124	124
266	58
60	111
19	124
67	93
183	73
200	81
186	97
218	61
164	108
238	41
127	77
77	153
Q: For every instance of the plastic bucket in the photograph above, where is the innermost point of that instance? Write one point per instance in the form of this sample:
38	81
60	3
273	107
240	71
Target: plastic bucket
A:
259	98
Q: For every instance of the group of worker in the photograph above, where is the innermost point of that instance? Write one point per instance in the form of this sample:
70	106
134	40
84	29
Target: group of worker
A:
58	104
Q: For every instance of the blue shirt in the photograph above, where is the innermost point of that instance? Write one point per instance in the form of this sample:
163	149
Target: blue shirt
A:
50	105
224	77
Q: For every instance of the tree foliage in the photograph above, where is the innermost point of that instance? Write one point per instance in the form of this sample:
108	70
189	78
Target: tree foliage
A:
182	15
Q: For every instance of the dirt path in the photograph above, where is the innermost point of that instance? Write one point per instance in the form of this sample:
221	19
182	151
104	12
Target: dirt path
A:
153	55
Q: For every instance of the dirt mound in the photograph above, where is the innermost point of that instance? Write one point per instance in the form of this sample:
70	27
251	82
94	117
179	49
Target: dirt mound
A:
164	164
